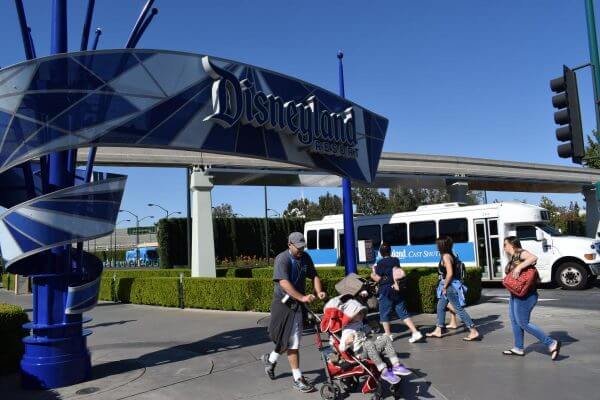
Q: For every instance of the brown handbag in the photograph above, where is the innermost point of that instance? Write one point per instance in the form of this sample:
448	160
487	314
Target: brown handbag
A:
524	284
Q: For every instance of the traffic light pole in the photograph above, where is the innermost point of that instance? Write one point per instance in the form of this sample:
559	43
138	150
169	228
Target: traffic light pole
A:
593	45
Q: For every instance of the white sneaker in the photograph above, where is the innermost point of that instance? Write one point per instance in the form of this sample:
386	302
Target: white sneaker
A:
415	337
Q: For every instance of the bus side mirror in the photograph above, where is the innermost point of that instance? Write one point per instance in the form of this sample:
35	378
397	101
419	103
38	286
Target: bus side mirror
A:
539	235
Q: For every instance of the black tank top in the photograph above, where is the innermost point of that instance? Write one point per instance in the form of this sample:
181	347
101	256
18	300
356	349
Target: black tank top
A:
442	267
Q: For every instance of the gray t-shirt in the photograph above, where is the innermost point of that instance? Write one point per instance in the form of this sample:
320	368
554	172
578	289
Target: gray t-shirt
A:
293	270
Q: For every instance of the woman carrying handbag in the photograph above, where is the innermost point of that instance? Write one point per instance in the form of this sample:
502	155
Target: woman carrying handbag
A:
521	277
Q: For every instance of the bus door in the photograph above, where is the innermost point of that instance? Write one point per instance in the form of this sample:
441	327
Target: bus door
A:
341	254
487	241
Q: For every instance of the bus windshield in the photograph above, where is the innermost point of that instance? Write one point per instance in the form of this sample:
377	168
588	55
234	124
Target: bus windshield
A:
552	231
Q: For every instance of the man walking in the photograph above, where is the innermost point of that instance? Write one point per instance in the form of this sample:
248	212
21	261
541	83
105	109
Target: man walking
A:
292	267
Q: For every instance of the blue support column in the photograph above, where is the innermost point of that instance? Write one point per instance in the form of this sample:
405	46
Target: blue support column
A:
349	240
56	353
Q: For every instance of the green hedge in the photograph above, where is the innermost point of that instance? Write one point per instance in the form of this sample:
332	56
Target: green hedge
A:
8	281
145	273
108	255
234	237
245	294
12	319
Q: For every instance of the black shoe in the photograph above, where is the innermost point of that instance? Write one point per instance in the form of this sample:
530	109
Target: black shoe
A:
269	366
303	386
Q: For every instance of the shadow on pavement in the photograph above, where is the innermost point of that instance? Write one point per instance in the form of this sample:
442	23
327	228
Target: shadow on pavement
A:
105	324
226	341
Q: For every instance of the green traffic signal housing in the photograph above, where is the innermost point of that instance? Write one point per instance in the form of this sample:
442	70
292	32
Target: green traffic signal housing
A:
568	116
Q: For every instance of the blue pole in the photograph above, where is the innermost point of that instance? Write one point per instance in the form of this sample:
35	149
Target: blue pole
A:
56	353
349	240
86	26
143	28
138	24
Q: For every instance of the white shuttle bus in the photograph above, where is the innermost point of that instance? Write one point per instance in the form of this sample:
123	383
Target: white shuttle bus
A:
477	231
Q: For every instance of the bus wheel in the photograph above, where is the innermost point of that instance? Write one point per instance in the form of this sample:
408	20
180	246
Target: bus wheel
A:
571	276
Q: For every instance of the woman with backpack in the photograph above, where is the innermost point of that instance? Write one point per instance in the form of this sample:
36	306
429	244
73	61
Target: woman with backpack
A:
520	308
450	290
387	273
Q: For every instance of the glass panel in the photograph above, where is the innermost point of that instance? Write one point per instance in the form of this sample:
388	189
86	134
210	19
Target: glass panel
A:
481	249
456	229
311	239
496	263
326	239
395	234
370	232
422	232
493	228
526	232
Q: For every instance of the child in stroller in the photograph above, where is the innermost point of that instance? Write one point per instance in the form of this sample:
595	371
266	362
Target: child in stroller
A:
348	359
354	338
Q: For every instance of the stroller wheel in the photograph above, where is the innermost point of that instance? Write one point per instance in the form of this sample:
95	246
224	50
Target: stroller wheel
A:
329	391
378	393
349	385
396	390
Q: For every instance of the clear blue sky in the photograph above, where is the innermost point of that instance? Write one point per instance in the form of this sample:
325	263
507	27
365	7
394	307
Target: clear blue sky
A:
467	78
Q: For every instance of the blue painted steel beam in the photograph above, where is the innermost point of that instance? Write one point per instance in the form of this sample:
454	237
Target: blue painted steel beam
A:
144	26
138	24
56	353
85	35
349	240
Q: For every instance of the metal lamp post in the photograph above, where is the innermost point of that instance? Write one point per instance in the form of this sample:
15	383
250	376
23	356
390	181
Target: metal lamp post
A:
167	213
137	234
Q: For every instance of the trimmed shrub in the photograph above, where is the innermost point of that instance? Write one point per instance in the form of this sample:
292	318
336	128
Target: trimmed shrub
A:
145	273
12	319
7	281
245	294
154	291
106	289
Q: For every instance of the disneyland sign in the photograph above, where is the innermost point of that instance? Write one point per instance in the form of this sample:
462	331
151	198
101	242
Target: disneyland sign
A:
314	127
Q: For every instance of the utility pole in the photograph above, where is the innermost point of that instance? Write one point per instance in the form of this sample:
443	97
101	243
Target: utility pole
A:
593	45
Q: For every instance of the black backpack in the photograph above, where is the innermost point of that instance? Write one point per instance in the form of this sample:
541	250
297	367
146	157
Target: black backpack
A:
460	270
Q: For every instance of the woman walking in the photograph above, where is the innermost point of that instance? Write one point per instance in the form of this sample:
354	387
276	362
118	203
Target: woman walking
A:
390	295
450	291
520	308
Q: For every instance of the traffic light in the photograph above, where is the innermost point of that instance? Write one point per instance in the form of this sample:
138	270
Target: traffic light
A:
568	116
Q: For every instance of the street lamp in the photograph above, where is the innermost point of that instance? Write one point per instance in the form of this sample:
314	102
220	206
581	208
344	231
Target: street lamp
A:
137	234
275	211
115	244
167	213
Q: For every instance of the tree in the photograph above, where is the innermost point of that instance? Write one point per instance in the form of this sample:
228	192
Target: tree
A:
330	204
592	152
567	219
223	210
303	208
370	201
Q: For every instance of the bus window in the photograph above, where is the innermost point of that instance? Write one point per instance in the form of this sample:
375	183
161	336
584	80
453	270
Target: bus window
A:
395	234
526	232
422	232
455	228
311	240
326	240
372	233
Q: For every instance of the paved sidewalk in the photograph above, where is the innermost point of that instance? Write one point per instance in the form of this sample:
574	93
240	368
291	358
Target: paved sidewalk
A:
152	353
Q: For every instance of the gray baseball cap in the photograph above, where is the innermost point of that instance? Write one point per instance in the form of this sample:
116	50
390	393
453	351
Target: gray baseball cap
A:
297	239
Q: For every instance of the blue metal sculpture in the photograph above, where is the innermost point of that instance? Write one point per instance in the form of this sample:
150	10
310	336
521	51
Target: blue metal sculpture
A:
51	106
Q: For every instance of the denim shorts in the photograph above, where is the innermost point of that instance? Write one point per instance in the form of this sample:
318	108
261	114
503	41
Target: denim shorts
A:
386	305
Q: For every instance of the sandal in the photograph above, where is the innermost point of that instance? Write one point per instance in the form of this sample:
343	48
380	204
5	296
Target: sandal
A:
431	335
512	352
472	339
556	352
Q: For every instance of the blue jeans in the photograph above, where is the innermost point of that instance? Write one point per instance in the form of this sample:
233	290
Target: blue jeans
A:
386	305
519	311
452	297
